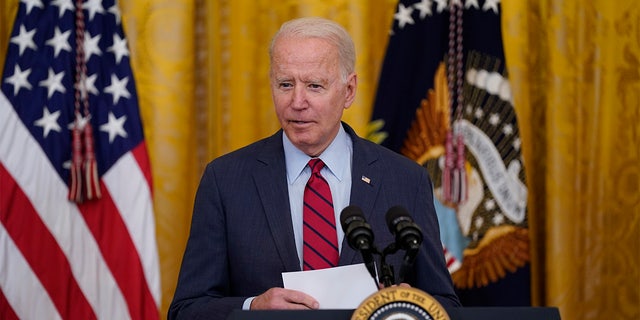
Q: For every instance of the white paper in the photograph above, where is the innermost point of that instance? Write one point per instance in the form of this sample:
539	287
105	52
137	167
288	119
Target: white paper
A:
335	288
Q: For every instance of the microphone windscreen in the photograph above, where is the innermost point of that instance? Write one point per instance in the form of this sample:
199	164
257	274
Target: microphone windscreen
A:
350	214
396	215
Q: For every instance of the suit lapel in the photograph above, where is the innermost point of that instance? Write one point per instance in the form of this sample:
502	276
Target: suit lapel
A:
271	182
366	175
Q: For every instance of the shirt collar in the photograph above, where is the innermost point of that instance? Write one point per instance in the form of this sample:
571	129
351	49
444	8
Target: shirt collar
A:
336	157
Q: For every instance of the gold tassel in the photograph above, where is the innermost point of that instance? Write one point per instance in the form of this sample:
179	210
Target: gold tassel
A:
75	185
92	180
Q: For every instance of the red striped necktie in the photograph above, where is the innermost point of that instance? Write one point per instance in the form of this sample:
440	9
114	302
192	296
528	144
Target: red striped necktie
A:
319	223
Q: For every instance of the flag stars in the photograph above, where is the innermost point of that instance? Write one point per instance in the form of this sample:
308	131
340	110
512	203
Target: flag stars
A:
32	3
472	3
94	6
441	5
498	219
83	86
114	127
507	129
491	4
118	88
48	122
24	39
490	204
479	113
403	15
478	222
116	12
469	109
53	83
80	121
516	143
59	41
91	46
63	6
19	79
119	48
90	85
424	7
494	119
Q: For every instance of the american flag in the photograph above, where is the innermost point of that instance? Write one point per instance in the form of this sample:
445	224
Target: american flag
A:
61	259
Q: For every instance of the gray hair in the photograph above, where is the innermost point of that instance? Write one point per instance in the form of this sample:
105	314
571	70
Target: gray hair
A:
313	27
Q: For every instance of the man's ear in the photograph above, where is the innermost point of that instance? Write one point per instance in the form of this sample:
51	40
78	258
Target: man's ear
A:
350	93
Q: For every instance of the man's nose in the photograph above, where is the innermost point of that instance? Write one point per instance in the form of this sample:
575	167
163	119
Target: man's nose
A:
299	98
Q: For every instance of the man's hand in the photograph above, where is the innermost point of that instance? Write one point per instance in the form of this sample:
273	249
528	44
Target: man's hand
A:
280	298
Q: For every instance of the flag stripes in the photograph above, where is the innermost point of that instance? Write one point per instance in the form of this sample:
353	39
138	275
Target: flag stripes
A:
41	252
119	252
5	309
28	297
92	259
133	202
23	157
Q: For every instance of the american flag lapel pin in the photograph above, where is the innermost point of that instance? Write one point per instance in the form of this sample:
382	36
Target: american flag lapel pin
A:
366	180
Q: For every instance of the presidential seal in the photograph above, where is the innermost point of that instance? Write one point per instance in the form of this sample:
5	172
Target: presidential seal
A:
400	303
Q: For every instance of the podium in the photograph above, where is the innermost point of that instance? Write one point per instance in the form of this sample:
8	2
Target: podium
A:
462	313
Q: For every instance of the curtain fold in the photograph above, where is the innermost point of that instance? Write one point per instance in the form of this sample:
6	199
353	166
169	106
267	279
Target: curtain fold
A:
575	71
161	40
8	10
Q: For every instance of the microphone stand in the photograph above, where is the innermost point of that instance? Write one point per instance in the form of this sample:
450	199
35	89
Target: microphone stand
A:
407	263
367	255
387	270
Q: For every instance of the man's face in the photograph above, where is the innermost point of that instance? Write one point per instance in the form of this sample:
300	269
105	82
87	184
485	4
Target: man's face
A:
309	92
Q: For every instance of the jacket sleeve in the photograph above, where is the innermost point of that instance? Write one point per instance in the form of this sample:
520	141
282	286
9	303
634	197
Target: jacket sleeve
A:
203	287
431	273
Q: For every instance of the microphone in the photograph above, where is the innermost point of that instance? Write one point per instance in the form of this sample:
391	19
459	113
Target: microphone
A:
359	235
408	236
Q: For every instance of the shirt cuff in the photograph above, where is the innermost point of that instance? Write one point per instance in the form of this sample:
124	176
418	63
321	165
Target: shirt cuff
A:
247	303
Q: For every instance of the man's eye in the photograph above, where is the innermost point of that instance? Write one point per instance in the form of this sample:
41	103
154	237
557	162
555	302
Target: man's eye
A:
285	85
315	86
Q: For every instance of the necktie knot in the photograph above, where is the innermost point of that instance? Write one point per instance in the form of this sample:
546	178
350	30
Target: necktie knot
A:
316	165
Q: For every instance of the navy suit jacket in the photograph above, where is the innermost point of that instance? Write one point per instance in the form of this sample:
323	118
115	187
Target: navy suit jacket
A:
242	237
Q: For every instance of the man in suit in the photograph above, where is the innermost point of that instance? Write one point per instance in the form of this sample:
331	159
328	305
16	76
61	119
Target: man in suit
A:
247	224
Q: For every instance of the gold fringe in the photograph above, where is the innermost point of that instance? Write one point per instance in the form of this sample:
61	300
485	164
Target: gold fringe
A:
502	249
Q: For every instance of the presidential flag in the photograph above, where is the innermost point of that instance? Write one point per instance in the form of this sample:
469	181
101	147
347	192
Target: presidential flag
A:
444	100
77	231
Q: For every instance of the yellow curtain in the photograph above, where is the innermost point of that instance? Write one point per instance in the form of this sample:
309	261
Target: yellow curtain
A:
575	69
201	73
161	38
